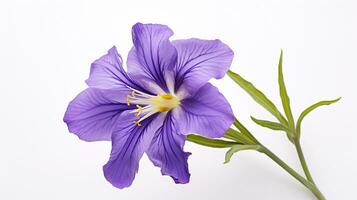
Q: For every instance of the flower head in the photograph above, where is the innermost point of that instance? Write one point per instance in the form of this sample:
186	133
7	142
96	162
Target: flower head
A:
163	96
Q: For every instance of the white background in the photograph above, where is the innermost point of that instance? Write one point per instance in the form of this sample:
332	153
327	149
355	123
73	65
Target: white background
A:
46	48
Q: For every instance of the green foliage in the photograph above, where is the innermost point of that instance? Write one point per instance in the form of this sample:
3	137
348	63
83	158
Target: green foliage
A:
215	143
270	124
285	100
236	148
244	131
309	109
238	137
258	96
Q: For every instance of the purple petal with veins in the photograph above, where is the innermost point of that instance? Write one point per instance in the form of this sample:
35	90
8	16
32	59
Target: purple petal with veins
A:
164	96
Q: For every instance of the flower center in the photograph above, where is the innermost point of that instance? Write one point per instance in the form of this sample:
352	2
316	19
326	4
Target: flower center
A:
165	102
147	105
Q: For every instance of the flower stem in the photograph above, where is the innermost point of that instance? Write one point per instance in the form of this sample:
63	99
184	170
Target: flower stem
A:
311	186
303	161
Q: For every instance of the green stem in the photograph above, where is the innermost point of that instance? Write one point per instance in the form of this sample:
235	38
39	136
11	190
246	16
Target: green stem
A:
293	173
303	161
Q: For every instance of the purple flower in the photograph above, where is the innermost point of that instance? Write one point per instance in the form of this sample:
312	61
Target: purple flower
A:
163	96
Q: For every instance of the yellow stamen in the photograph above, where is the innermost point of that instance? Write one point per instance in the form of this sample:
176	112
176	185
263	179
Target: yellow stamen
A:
166	96
140	109
128	100
163	109
165	102
147	105
137	123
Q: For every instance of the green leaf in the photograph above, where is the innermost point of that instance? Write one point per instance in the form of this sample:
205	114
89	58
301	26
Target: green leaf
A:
244	130
284	94
309	109
270	124
239	147
257	95
237	136
215	143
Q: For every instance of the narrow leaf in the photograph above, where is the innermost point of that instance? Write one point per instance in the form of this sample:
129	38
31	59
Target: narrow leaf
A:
244	130
237	136
270	124
311	108
239	147
215	143
257	95
284	94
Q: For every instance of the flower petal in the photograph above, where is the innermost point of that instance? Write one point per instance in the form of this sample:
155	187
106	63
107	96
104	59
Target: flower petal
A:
93	114
200	60
207	113
166	151
107	72
152	54
129	142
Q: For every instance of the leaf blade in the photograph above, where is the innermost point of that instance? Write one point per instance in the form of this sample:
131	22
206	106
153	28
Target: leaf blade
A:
239	147
285	100
238	137
311	108
244	130
215	143
257	95
271	125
